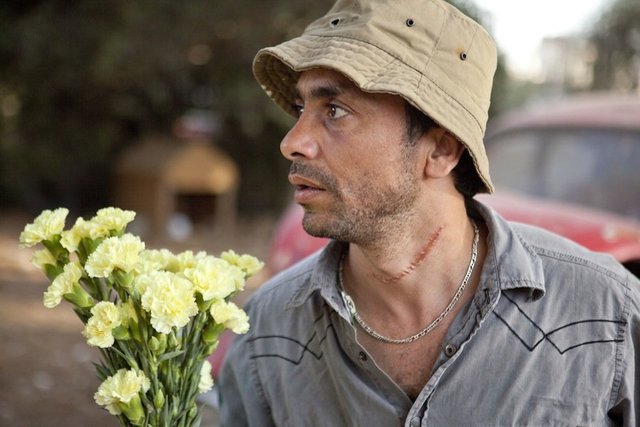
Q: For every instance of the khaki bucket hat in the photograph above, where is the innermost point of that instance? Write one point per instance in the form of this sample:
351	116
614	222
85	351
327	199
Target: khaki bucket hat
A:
426	51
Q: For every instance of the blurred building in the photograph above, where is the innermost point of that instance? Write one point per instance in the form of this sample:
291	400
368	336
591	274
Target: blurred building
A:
174	184
566	64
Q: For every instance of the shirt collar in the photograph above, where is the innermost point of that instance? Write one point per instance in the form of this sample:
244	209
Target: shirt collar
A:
324	278
510	263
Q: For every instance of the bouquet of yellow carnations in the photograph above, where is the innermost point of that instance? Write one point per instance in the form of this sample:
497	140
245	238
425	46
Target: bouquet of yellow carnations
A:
155	316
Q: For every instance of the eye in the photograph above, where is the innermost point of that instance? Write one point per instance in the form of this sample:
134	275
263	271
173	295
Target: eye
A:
299	109
336	112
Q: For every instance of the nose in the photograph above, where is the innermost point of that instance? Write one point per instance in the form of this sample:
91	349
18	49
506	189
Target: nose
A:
301	140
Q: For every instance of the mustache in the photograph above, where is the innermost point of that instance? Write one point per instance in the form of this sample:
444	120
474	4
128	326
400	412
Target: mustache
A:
313	173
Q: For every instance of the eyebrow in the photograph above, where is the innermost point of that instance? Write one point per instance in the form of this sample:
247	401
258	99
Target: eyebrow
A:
322	92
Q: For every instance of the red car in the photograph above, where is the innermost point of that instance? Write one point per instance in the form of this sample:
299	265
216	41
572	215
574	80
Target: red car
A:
583	149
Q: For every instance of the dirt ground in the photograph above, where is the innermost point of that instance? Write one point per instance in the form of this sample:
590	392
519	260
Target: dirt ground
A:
46	372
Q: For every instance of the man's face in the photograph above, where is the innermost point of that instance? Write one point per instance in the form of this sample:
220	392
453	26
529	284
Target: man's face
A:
353	170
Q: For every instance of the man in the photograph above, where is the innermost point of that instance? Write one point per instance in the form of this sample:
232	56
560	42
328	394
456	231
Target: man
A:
427	308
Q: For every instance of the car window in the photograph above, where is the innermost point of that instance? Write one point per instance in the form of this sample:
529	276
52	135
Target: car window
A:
573	163
514	161
597	168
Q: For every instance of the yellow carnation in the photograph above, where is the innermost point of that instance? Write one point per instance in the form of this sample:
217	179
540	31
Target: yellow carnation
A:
42	257
114	219
127	313
142	281
114	252
169	299
188	259
62	284
230	315
247	263
121	389
105	222
45	227
70	239
99	328
215	278
206	381
154	259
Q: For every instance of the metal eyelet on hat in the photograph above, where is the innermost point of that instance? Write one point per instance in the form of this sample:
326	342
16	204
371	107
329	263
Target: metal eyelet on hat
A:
463	56
409	22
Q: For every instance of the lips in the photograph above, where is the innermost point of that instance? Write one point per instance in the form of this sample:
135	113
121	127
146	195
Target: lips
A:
306	190
301	182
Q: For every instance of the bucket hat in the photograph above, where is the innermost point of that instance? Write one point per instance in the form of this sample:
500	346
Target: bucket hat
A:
426	51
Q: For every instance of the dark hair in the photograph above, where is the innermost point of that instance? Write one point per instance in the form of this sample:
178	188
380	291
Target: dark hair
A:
418	123
465	175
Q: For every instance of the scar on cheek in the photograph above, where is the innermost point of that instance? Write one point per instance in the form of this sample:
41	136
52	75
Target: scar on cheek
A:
420	257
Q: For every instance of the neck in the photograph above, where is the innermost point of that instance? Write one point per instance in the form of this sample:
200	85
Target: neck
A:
435	322
418	259
415	272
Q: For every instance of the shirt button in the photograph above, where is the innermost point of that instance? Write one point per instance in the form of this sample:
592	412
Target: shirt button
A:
450	350
362	356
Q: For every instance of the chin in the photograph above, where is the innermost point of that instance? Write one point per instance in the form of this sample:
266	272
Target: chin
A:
314	229
326	228
316	226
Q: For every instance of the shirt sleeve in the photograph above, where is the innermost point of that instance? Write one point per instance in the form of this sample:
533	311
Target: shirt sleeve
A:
626	409
242	400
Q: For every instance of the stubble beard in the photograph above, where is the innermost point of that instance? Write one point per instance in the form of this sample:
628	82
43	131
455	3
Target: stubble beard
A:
379	217
365	215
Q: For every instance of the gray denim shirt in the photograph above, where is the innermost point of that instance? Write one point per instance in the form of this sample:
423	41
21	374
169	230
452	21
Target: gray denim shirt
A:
551	338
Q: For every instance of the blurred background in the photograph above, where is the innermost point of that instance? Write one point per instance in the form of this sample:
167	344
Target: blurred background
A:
151	105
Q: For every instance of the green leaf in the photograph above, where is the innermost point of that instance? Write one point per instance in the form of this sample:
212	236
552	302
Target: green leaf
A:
170	355
102	372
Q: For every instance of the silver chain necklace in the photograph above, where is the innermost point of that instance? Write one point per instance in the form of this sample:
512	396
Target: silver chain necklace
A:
354	313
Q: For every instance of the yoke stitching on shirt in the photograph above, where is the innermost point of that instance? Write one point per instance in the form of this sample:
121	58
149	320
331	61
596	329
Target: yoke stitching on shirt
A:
304	344
547	334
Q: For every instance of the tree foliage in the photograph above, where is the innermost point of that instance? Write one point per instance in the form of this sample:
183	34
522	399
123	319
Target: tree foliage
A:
83	80
617	40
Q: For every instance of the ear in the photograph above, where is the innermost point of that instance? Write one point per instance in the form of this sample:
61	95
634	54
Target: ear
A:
444	154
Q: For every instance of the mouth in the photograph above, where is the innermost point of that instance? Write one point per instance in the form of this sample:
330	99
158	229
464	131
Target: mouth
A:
306	190
302	183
